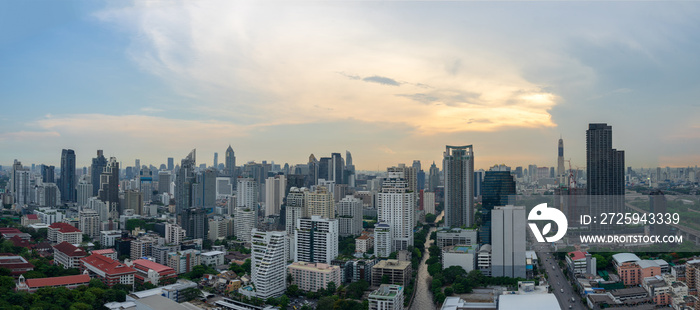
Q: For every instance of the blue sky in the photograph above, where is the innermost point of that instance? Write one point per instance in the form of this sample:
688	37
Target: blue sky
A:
389	81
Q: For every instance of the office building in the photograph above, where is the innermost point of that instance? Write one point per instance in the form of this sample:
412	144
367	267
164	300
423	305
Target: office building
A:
164	180
455	236
98	165
657	203
48	174
108	238
213	258
396	207
428	202
59	232
268	263
184	261
350	216
337	167
68	181
508	242
231	164
109	188
310	277
133	200
605	175
274	194
316	240
498	189
194	222
458	166
420	175
433	177
464	256
19	183
184	179
387	297
294	209
561	171
146	185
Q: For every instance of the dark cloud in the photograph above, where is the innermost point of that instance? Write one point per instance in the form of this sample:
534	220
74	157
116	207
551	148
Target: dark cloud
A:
381	80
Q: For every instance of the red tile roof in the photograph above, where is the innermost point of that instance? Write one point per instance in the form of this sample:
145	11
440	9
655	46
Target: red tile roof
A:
56	281
107	265
576	255
9	230
69	249
32	217
64	227
103	251
151	265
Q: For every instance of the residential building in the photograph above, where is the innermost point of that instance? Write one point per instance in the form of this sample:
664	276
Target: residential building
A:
184	261
219	228
90	223
174	234
316	240
109	271
245	220
109	188
382	240
319	202
581	262
364	243
387	297
311	277
143	246
396	206
212	258
350	216
428	202
109	237
398	272
268	262
274	194
109	253
458	165
508	236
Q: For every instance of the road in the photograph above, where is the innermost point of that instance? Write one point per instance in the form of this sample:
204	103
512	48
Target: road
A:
424	298
557	281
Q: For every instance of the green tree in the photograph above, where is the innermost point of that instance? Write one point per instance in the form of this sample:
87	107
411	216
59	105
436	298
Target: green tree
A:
434	269
326	303
293	290
283	301
331	288
449	291
246	265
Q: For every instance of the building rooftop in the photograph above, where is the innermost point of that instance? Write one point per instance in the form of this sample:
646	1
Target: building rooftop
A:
319	267
647	263
107	265
152	265
386	291
625	257
32	217
392	264
212	253
56	281
69	249
464	249
528	302
103	251
64	227
576	255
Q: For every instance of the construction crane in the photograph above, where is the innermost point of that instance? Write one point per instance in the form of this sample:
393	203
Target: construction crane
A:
572	176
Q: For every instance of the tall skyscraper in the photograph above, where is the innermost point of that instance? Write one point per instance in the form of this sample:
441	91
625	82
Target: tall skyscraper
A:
48	174
216	160
231	163
337	168
458	166
171	163
325	168
98	165
408	174
498	189
605	171
109	188
313	174
320	202
420	175
349	173
274	194
433	177
396	207
204	190
268	262
508	236
68	180
183	182
316	240
350	216
244	221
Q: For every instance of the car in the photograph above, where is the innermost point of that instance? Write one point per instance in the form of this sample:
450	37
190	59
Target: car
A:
562	290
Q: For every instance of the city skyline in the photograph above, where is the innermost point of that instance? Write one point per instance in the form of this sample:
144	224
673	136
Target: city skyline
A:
279	82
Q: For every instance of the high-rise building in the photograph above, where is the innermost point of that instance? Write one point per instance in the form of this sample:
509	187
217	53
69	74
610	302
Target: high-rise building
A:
174	234
420	175
313	174
605	172
84	191
387	297
320	202
268	262
247	193
349	173
194	222
316	240
433	177
396	207
216	160
294	208
337	168
382	240
508	242
204	190
409	175
183	182
19	183
48	174
231	164
98	165
245	220
350	216
325	168
428	202
146	184
458	166
219	228
133	200
498	189
164	180
109	188
658	205
274	194
171	163
90	223
68	181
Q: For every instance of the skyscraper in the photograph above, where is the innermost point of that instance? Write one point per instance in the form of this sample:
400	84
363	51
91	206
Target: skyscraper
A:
396	207
231	163
216	160
458	166
68	181
350	216
274	194
316	239
98	164
109	188
19	183
171	163
433	177
204	190
508	236
48	174
420	175
325	169
183	182
194	222
337	168
498	189
605	171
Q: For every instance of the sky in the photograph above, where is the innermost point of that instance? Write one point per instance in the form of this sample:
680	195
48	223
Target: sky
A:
391	82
